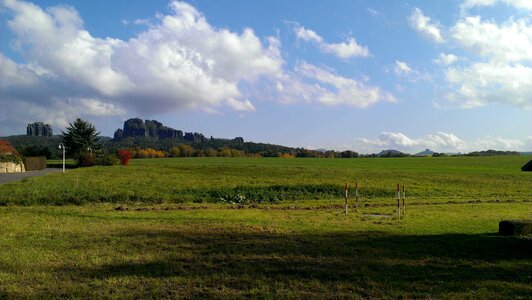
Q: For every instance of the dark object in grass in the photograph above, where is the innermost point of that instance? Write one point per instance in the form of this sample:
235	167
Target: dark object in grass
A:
377	215
515	227
527	167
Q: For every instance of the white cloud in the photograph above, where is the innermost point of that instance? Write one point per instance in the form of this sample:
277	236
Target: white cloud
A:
344	91
344	50
509	42
484	83
180	61
402	68
498	143
521	4
373	12
446	59
307	35
440	141
424	26
502	72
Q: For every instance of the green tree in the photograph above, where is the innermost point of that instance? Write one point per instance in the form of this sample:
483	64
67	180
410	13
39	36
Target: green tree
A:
79	137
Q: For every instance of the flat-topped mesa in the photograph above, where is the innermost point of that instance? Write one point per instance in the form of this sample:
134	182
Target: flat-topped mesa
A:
151	128
39	129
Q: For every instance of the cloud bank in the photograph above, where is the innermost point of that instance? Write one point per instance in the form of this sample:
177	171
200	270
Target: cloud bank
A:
179	62
439	142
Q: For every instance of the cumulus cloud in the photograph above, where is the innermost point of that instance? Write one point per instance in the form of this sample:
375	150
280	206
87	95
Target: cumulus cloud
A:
313	84
180	61
347	49
402	68
504	74
521	4
509	42
439	142
445	59
425	26
484	83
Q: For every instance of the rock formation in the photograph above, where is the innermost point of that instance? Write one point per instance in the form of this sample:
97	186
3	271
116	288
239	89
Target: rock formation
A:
138	128
39	129
194	137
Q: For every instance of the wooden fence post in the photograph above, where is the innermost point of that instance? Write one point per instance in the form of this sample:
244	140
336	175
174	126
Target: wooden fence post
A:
356	195
404	198
346	197
398	201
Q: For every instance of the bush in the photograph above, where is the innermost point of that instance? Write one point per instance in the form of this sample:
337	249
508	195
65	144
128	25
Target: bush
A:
86	160
8	153
124	155
107	160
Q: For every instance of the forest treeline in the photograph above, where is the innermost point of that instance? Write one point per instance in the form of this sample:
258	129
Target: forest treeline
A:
148	147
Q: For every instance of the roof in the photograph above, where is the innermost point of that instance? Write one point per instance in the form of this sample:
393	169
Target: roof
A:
527	166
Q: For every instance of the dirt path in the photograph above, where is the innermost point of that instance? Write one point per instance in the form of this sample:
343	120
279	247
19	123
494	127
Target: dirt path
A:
8	177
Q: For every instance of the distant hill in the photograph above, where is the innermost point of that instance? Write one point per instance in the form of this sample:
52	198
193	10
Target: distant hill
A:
391	153
427	152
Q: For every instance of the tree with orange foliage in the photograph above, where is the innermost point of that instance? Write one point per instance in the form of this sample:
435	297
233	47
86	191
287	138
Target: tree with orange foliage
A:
6	148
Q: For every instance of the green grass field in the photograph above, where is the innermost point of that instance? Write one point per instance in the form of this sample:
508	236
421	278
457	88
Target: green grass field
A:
273	180
158	228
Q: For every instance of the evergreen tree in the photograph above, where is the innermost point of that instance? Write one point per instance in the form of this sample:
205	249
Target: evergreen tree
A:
79	137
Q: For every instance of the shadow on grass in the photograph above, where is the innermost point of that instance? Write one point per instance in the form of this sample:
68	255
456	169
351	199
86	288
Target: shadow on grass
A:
345	264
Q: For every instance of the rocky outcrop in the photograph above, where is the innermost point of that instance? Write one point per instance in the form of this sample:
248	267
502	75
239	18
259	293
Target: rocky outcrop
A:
39	129
11	167
119	133
194	137
138	128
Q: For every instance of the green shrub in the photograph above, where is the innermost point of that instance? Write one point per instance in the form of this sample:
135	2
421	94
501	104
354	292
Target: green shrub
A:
5	157
107	160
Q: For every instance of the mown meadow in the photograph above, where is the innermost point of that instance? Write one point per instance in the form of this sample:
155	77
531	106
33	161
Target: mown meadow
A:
273	180
264	228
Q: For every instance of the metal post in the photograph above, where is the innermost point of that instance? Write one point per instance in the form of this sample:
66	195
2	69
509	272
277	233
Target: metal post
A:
62	146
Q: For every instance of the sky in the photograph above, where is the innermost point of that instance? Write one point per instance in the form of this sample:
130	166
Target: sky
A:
451	76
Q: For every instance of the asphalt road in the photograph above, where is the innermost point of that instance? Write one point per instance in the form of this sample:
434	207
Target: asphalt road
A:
8	177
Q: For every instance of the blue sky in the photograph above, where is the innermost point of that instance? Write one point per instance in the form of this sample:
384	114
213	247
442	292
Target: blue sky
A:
452	76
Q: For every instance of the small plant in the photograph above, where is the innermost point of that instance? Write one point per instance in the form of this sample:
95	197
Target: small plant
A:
124	155
107	160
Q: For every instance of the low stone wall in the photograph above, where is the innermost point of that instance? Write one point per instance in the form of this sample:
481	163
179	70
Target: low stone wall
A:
10	167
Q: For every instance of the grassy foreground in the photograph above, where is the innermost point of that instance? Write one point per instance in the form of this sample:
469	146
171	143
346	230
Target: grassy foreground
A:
437	251
263	180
